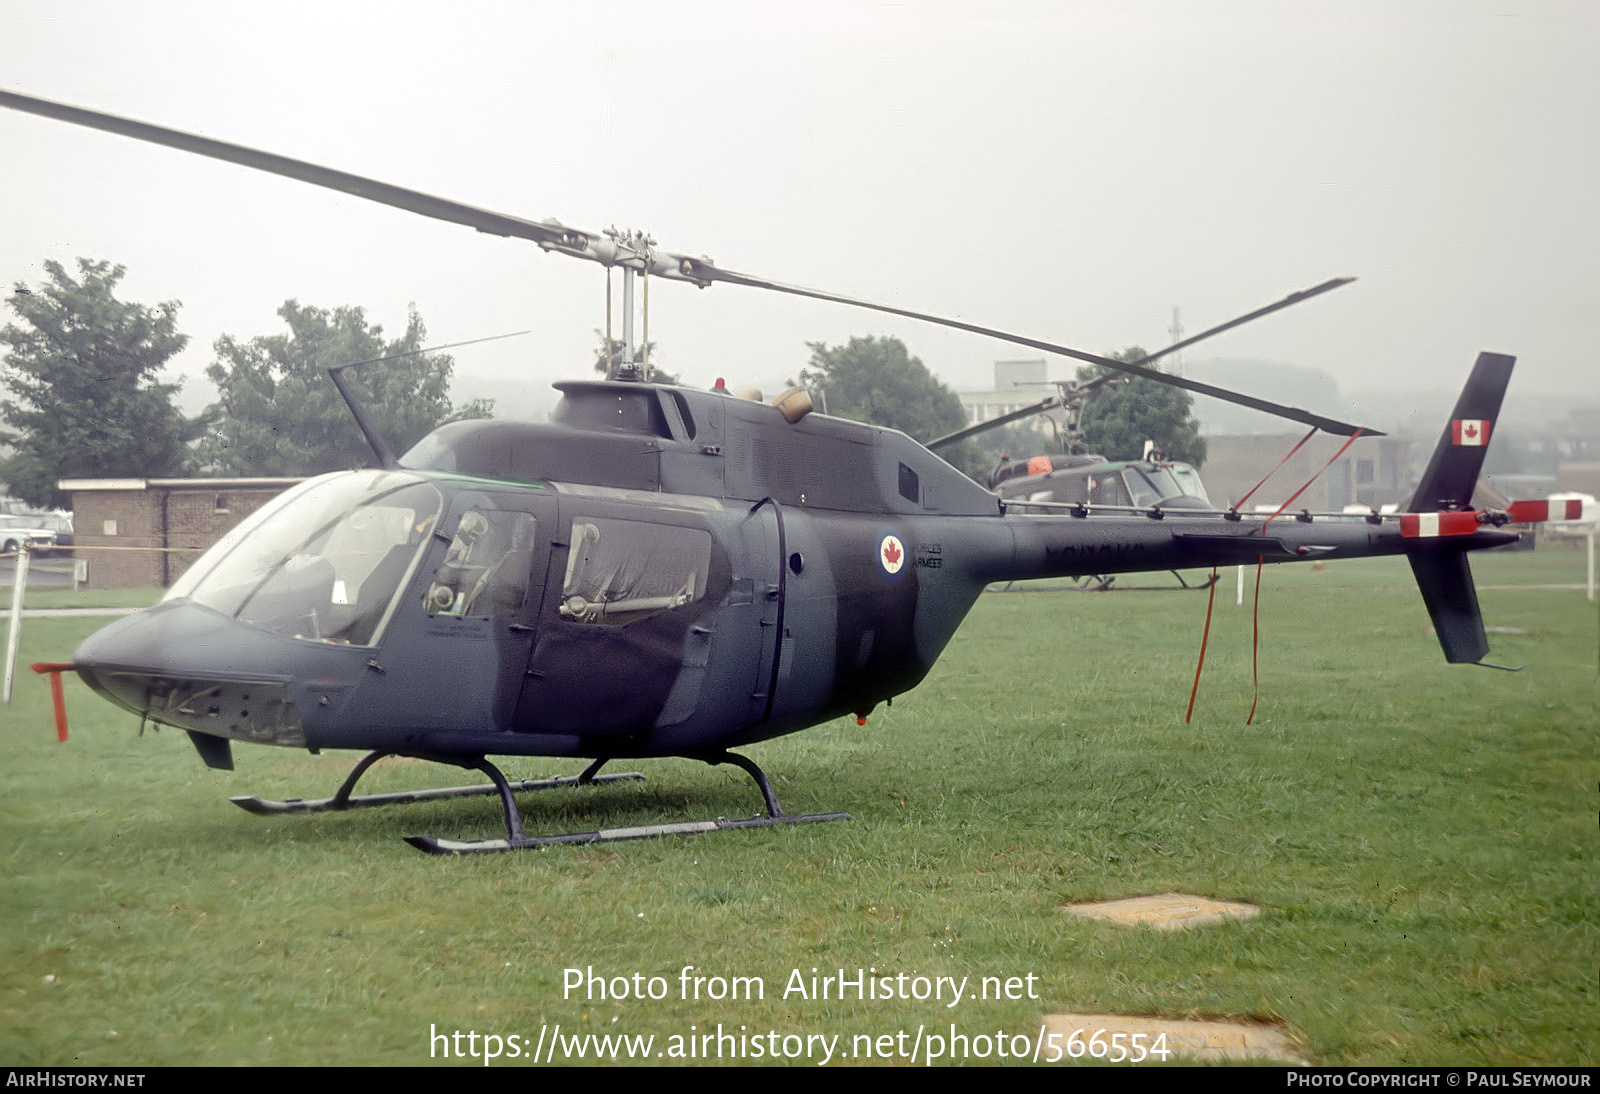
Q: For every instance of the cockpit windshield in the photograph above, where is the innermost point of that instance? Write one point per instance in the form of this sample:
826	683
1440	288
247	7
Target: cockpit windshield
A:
1189	479
1151	485
324	562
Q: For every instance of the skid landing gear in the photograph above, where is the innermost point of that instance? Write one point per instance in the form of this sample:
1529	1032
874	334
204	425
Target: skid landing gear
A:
342	798
516	839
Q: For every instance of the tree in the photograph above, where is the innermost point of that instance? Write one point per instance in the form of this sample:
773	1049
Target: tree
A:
82	371
280	414
603	361
877	380
1120	418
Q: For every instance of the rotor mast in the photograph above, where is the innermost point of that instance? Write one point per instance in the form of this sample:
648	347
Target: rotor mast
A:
634	252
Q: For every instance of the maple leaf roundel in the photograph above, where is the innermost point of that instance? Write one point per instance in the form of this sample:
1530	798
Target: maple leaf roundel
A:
891	554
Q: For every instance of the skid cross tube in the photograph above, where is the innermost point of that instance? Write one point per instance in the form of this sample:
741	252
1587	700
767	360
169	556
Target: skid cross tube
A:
516	840
343	799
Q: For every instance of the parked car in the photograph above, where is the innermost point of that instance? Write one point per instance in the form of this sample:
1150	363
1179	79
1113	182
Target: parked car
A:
35	528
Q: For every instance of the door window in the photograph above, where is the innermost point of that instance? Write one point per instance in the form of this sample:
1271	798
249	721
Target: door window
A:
622	570
485	571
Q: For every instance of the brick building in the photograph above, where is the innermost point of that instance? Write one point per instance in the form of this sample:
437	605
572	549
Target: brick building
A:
1374	471
187	514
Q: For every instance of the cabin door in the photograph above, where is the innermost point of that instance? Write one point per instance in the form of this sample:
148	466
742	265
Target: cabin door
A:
463	629
628	596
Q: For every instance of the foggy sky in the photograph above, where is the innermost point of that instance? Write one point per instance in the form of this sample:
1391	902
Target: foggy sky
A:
1067	170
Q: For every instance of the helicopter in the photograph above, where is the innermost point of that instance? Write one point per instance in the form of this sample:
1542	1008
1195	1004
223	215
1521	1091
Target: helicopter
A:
1090	478
659	571
1075	475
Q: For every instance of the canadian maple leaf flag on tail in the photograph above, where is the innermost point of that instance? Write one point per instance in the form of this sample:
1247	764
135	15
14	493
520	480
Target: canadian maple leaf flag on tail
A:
1469	431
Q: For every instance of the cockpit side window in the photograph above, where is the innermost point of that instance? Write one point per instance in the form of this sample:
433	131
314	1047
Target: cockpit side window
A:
622	570
327	568
485	571
1107	489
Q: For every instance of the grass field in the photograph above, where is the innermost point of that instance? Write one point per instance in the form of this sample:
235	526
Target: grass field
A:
1421	839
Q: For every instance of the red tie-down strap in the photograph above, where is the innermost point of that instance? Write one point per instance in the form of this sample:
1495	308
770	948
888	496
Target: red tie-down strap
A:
1255	646
1251	492
1312	479
1255	642
55	669
1205	636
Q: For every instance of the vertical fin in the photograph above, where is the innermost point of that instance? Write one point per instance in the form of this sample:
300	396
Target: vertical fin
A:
1453	471
216	752
1445	579
1442	572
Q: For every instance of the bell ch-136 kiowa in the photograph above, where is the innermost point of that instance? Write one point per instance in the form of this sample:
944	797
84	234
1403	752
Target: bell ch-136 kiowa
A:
660	571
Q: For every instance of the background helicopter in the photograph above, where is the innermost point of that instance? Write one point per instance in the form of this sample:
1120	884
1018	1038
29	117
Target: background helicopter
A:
1076	476
659	571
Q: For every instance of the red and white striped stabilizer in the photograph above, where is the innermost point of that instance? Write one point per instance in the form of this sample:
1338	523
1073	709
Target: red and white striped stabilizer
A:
1428	525
1467	521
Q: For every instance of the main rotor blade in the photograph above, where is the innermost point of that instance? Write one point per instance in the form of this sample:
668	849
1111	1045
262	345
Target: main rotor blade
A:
1294	414
1292	298
552	235
1052	402
993	423
1086	388
548	235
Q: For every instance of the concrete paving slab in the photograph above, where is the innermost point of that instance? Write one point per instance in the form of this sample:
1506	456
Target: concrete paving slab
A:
1186	1039
1165	911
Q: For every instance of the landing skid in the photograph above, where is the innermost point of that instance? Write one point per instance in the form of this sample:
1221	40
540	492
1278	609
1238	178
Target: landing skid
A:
516	839
342	798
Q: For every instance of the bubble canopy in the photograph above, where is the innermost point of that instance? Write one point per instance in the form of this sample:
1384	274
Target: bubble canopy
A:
324	562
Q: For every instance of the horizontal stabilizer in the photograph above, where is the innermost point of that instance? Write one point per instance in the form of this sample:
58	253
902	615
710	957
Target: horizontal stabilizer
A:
1429	525
1446	583
1232	548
